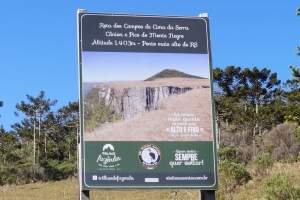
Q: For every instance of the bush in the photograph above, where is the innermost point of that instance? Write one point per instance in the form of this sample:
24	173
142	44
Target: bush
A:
241	154
279	187
282	142
235	171
263	163
233	174
8	175
56	170
238	141
21	174
28	173
245	153
227	153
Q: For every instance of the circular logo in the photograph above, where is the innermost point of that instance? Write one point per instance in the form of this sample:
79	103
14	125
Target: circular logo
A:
149	155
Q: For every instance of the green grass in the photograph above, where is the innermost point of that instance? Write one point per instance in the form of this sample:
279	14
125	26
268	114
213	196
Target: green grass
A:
68	189
255	189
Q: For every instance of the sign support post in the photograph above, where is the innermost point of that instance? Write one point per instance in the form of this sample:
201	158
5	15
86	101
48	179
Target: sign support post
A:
84	195
208	195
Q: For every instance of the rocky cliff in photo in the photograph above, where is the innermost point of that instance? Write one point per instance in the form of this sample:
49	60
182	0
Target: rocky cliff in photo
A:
146	109
129	98
128	102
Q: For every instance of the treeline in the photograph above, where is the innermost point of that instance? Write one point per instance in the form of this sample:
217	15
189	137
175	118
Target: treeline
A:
257	119
42	146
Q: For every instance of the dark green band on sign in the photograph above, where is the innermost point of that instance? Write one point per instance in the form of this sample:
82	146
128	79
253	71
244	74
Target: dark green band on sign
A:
180	164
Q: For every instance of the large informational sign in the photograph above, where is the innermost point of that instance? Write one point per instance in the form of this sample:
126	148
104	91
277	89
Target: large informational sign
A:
146	102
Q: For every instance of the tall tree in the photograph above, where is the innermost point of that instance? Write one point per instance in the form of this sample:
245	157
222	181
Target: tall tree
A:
35	109
69	119
63	130
242	94
293	96
6	143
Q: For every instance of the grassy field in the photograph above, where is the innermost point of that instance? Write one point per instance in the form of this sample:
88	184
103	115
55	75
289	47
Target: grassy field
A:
254	189
68	189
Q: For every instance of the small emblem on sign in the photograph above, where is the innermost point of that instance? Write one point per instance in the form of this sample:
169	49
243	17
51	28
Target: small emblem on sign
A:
149	155
108	159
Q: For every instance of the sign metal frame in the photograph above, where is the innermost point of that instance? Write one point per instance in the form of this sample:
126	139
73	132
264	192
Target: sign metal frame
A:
83	185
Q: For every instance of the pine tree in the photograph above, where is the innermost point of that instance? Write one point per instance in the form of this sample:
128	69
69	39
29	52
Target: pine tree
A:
35	109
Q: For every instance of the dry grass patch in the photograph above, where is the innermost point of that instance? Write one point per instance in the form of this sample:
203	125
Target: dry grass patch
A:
68	190
254	189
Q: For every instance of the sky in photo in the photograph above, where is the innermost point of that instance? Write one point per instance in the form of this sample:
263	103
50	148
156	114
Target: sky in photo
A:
121	66
39	41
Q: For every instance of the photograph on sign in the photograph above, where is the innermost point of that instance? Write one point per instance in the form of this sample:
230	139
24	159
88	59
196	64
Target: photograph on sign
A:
146	102
147	99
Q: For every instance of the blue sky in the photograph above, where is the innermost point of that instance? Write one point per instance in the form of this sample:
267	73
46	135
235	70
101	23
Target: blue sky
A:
38	40
121	66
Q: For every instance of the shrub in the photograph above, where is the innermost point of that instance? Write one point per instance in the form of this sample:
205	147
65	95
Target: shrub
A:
7	175
28	173
21	174
263	163
279	187
56	170
238	141
233	174
227	153
241	154
245	153
282	142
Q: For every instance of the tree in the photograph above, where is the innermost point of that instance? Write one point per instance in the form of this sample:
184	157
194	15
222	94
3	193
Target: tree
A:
227	80
35	108
7	144
242	95
293	96
293	93
61	145
42	146
68	119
